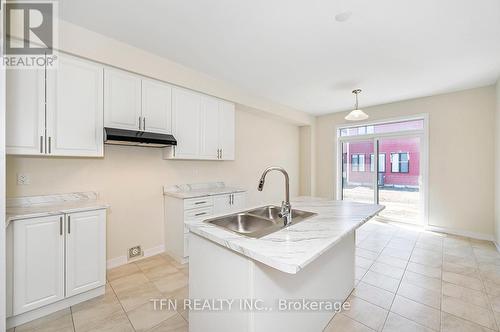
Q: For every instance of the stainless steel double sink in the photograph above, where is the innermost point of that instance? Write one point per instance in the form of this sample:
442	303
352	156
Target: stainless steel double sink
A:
258	222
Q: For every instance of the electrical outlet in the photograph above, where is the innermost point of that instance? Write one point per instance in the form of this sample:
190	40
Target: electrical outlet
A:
23	179
135	252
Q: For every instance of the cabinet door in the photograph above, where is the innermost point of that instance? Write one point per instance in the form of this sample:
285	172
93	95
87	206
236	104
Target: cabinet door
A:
222	203
38	262
75	108
226	131
186	123
85	251
25	112
122	100
156	107
239	201
209	128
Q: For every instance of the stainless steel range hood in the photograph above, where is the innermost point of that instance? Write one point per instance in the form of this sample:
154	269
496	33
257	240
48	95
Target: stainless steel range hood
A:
116	136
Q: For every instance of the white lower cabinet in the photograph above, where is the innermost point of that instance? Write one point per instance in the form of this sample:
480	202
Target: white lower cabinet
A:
38	261
85	251
180	212
54	258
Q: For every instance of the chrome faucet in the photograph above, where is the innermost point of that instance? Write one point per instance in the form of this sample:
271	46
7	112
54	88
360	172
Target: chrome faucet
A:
286	208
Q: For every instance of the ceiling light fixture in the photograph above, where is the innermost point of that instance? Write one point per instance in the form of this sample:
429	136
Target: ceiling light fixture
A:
356	114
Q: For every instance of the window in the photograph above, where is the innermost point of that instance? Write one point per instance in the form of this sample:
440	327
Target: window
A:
354	162
400	162
388	127
358	162
361	160
381	162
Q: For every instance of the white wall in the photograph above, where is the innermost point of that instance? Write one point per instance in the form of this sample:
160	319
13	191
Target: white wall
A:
130	179
461	149
497	163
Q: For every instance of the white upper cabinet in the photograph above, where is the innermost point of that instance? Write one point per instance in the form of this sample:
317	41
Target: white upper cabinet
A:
156	107
75	108
203	127
38	258
56	112
25	112
186	111
85	251
209	122
122	100
226	131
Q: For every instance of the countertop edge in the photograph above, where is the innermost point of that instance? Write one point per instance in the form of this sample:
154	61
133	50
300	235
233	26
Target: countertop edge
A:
50	212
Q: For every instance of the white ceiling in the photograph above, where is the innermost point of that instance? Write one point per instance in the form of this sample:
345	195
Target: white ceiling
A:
294	52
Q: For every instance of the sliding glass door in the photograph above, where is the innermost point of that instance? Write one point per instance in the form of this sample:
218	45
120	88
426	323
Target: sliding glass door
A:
383	164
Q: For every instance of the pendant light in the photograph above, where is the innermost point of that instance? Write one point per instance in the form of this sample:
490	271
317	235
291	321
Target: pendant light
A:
356	114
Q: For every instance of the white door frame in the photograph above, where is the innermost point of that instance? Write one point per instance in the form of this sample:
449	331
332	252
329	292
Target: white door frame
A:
424	155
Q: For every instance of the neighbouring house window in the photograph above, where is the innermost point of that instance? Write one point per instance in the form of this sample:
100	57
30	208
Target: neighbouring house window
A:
400	162
361	161
381	162
354	163
358	162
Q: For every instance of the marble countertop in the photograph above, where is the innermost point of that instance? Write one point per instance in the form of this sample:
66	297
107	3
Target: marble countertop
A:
291	249
41	206
184	191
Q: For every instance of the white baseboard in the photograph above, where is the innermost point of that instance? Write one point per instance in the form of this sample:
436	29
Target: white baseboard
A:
122	260
459	232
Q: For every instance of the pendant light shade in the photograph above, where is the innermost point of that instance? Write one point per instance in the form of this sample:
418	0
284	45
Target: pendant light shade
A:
356	114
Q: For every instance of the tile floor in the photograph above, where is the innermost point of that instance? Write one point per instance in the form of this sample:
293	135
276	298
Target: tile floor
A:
406	280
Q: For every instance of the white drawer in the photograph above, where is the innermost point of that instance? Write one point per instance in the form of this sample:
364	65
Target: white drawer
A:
193	203
197	214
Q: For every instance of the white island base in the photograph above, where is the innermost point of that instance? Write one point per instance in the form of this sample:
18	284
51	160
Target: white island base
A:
216	272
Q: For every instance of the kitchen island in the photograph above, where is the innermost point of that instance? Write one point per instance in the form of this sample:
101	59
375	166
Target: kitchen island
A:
269	283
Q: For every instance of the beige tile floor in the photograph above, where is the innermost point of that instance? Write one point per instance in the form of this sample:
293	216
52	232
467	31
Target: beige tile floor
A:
406	280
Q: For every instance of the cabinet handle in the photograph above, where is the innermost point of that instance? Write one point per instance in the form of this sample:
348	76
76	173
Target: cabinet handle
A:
200	202
220	153
174	151
69	224
60	225
200	214
232	199
140	118
50	144
144	123
41	144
